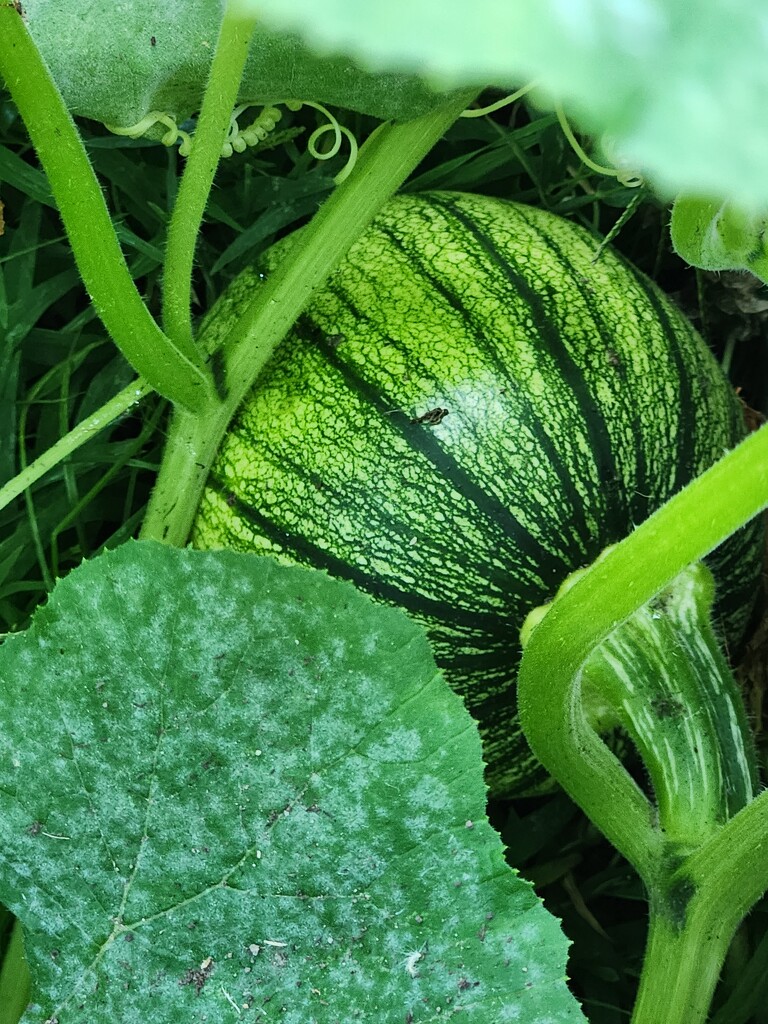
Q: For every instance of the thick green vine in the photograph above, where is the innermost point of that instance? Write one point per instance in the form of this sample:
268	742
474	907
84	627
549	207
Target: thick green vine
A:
703	882
175	370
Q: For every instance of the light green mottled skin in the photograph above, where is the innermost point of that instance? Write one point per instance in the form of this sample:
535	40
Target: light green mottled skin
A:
578	400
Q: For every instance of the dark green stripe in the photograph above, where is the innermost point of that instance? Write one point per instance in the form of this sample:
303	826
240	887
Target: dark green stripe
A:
575	513
522	545
306	552
617	508
686	463
498	583
571	374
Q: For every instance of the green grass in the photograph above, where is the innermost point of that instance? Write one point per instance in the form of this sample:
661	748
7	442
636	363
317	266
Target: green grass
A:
57	366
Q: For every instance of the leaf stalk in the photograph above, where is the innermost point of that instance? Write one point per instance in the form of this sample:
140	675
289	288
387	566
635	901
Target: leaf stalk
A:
219	100
176	371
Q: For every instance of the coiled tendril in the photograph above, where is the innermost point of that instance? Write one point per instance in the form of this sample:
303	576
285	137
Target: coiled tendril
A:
624	175
239	139
339	133
154	117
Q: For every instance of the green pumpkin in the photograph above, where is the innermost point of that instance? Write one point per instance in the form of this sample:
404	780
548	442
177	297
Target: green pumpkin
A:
472	407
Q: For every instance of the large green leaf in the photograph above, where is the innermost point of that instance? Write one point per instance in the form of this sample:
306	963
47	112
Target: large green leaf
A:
720	236
116	62
681	86
237	791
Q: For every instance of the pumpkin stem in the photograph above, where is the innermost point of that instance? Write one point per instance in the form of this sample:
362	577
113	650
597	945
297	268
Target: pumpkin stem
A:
661	677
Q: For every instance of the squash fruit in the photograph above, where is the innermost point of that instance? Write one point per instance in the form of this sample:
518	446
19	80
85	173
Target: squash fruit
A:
471	408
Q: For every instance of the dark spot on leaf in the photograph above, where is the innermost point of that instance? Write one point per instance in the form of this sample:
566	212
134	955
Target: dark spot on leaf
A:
198	976
667	707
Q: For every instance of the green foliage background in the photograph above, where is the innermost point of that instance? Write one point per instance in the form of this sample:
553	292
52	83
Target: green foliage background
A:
57	366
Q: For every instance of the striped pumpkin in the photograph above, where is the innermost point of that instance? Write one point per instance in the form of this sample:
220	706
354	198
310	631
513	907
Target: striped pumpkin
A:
470	409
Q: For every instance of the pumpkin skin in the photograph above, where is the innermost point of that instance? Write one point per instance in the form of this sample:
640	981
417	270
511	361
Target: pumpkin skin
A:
469	410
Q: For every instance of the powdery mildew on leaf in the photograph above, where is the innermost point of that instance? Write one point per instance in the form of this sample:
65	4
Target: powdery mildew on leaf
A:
237	791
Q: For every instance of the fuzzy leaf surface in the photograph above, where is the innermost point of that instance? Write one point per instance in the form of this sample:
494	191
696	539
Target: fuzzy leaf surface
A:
117	62
238	791
720	236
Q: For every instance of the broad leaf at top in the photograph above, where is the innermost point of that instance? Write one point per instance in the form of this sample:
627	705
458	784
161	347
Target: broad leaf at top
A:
116	62
681	86
238	791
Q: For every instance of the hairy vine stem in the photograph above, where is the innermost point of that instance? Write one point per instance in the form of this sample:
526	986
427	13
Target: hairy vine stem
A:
176	370
206	149
712	885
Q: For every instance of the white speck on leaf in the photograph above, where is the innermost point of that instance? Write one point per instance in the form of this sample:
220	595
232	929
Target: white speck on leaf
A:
411	961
